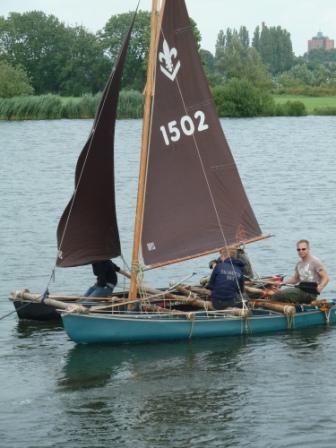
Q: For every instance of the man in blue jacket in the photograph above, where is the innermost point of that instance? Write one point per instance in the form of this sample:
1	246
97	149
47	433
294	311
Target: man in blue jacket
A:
227	281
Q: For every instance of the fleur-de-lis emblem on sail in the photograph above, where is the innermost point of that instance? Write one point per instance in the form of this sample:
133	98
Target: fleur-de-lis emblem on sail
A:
166	57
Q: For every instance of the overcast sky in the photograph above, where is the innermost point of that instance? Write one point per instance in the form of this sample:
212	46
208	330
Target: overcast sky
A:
302	18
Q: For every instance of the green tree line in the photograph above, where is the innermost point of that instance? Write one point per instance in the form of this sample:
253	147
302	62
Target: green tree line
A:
41	55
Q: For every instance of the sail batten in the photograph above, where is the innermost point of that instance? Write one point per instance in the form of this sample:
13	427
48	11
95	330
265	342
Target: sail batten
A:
88	228
194	200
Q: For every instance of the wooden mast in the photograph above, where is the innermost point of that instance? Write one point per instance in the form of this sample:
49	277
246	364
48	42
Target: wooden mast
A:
144	148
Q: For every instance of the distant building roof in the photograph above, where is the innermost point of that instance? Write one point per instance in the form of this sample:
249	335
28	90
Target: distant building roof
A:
319	35
320	41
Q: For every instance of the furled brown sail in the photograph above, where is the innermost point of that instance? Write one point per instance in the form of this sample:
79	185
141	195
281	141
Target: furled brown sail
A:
88	229
194	199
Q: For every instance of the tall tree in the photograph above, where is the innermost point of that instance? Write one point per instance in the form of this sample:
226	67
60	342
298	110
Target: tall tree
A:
275	47
256	38
235	59
86	68
244	36
220	44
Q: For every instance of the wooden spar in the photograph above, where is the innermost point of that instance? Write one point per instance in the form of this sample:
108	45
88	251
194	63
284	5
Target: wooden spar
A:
51	302
194	299
144	148
212	251
33	297
200	290
288	309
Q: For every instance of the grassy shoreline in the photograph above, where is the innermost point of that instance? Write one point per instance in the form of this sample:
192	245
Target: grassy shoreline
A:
315	105
130	106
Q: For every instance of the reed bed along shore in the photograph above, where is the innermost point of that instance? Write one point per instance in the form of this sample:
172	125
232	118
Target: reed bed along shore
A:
130	105
50	106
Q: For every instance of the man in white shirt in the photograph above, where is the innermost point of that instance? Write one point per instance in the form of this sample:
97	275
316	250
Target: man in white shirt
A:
310	278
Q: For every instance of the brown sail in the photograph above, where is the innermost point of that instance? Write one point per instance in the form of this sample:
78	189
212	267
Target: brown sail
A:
88	229
195	202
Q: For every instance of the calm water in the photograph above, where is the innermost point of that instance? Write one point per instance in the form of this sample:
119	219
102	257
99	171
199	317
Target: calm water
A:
264	391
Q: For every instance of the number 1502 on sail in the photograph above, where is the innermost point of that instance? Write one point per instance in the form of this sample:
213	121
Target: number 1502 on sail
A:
187	125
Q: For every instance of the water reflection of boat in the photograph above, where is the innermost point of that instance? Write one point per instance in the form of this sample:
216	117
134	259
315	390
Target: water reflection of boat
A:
89	366
26	328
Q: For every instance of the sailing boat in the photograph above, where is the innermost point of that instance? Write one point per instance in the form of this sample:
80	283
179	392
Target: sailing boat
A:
191	201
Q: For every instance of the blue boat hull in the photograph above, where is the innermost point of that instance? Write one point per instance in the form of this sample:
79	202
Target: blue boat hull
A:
86	329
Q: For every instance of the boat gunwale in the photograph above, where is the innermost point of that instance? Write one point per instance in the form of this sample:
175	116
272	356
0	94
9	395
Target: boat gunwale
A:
150	317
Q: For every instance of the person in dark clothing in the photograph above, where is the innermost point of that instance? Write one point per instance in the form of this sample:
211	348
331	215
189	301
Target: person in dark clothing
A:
227	281
106	273
240	255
